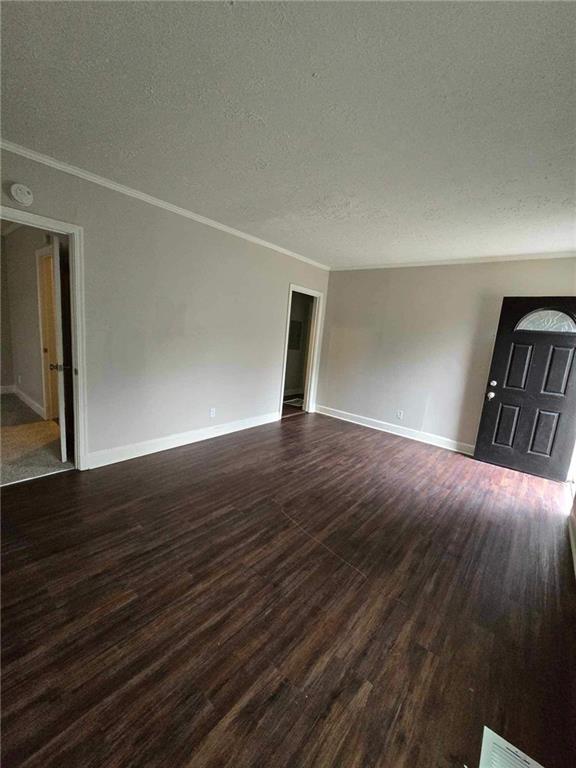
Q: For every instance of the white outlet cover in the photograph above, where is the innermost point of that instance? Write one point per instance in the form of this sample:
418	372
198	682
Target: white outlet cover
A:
499	753
22	194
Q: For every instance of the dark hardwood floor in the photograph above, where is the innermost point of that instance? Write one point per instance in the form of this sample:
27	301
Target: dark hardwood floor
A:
307	593
291	410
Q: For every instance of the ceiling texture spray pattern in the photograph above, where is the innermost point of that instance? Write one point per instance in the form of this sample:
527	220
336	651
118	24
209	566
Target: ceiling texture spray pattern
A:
354	134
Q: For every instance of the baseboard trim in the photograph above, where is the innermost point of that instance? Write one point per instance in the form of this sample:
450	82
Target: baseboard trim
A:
7	389
13	389
394	429
572	535
132	451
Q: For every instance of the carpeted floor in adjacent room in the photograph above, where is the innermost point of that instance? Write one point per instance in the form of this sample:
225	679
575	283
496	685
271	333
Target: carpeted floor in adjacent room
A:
30	445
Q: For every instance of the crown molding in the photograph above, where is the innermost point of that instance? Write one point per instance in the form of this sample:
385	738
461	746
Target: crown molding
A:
460	262
81	173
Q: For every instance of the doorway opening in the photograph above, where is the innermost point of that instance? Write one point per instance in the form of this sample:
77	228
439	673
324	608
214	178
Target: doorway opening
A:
37	430
301	354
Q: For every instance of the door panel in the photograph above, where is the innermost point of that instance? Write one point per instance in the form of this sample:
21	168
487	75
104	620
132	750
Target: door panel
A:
506	424
543	432
518	366
48	337
557	370
529	416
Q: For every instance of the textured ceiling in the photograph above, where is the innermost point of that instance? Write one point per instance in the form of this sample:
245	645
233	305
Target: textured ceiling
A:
351	133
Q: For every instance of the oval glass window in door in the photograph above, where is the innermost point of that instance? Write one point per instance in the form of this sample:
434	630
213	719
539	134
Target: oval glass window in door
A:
547	321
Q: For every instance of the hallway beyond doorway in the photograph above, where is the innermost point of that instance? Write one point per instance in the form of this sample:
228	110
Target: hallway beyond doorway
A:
293	406
30	445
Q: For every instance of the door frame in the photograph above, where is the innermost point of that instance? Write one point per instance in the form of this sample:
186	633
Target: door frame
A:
75	235
313	352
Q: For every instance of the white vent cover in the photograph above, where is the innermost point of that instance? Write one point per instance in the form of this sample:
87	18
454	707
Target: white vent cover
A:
498	753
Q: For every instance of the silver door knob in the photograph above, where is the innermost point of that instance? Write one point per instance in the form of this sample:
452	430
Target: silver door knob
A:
490	395
493	383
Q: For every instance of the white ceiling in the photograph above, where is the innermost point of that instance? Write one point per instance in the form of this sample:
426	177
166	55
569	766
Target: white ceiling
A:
351	133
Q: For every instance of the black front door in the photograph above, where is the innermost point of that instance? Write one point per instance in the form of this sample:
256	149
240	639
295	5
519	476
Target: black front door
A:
529	416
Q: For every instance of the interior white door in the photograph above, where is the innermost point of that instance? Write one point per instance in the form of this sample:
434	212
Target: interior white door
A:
47	325
59	344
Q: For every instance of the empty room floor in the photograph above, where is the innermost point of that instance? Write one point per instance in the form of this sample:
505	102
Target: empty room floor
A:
293	406
289	410
307	593
30	445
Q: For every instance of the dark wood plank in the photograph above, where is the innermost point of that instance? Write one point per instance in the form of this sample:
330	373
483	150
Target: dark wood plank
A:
308	593
291	410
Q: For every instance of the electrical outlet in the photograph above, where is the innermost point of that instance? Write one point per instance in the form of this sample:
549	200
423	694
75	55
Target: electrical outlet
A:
212	413
19	379
400	415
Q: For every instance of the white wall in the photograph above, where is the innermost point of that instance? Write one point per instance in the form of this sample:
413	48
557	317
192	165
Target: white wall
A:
180	317
7	374
420	339
22	293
